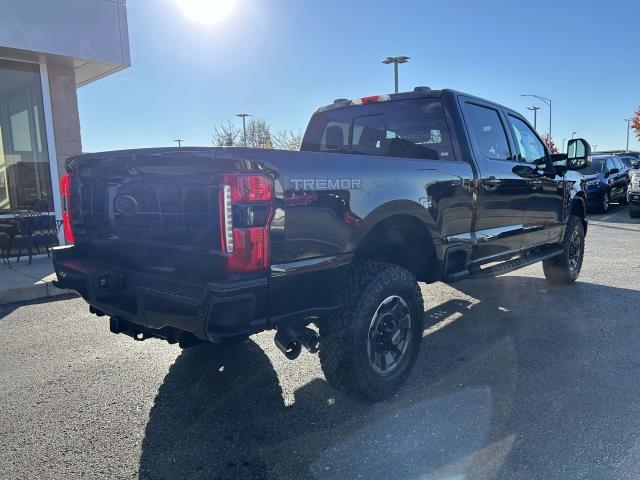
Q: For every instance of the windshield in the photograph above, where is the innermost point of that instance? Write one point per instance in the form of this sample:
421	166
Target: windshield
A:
400	128
596	166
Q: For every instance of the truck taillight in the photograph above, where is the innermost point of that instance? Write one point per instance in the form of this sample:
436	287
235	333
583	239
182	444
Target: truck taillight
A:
65	190
246	207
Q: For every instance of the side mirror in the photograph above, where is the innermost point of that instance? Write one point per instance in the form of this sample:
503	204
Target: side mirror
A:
635	164
578	153
613	171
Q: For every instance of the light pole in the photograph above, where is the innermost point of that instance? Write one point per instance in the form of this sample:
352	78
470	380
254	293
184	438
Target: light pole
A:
396	61
535	116
244	126
563	140
573	134
179	142
547	101
628	120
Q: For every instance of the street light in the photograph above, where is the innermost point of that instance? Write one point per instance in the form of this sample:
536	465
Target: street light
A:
535	116
244	126
179	142
547	101
628	120
563	140
396	61
573	134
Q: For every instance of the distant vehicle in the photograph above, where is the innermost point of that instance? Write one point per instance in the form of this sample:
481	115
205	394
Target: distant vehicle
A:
607	180
629	159
216	244
633	195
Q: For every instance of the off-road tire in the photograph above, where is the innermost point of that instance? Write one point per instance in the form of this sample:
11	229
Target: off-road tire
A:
344	336
560	269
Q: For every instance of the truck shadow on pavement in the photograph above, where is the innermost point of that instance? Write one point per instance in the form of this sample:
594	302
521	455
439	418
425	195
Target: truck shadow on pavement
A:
515	378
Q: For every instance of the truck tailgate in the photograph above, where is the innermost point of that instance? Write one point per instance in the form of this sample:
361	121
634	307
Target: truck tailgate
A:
147	210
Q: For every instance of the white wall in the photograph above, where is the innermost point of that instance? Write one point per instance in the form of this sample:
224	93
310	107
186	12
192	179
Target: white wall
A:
92	32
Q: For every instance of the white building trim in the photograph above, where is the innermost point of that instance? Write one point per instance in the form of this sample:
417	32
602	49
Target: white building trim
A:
51	147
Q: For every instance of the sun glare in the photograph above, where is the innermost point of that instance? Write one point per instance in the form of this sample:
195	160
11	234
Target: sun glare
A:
207	11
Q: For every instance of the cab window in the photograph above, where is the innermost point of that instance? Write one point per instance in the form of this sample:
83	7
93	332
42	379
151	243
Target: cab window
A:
531	148
488	132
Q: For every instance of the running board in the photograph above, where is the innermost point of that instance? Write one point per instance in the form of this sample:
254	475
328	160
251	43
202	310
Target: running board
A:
506	266
515	264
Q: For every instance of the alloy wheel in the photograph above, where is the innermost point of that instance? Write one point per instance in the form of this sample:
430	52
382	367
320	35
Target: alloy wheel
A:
389	335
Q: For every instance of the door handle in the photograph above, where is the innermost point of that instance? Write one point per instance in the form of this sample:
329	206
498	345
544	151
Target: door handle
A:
492	182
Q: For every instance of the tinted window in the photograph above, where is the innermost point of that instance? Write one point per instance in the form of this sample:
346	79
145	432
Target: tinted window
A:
488	132
531	148
399	128
596	166
610	164
626	161
618	163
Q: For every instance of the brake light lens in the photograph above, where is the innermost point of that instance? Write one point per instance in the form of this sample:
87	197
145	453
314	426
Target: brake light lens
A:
371	99
246	208
65	190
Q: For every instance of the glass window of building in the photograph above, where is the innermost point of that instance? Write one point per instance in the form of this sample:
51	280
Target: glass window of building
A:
25	176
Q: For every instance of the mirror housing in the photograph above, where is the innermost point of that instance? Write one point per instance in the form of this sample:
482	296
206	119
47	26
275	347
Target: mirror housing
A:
578	153
635	164
613	171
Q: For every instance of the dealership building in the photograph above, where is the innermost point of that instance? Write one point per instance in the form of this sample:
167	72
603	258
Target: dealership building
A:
48	49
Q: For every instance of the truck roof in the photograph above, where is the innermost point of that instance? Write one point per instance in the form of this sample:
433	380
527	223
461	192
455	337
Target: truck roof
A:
419	92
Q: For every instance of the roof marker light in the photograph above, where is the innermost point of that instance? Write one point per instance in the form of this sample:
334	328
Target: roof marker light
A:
371	99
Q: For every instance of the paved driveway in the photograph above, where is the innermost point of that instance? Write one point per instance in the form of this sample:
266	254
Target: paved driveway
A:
516	379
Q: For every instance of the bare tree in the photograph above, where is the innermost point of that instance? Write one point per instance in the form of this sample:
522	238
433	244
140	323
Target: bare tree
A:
227	135
287	140
259	134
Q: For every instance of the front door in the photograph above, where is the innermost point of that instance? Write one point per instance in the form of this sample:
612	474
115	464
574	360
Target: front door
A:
545	189
501	190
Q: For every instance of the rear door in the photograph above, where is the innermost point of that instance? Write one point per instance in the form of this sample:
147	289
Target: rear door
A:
614	179
544	189
501	189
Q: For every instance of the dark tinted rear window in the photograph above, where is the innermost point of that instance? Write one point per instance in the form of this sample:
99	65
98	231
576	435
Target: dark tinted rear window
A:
399	128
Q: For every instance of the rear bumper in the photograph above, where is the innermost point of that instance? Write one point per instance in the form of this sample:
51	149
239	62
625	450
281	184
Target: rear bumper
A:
218	312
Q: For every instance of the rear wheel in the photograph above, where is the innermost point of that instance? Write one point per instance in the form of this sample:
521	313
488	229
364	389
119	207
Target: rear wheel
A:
606	200
565	268
625	198
369	348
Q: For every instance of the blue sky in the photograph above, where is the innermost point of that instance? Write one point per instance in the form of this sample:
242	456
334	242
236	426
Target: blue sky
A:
280	59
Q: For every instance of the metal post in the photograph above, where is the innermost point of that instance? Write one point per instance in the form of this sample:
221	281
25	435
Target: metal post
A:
244	130
244	126
534	109
628	120
547	101
550	137
396	60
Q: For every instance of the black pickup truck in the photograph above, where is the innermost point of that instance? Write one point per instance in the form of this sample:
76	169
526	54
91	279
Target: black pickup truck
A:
217	244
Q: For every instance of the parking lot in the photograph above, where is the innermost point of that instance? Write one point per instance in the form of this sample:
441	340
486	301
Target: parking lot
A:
516	379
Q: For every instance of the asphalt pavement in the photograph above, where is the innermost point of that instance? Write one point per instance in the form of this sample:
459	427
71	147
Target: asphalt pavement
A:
517	379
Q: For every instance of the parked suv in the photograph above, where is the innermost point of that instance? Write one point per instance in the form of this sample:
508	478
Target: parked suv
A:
633	194
607	180
216	244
